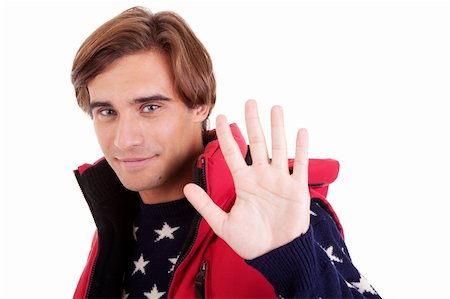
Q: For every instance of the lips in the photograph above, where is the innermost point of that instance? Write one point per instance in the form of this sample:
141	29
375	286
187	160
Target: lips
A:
134	163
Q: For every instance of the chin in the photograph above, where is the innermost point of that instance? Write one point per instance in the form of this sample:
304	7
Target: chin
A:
133	186
137	185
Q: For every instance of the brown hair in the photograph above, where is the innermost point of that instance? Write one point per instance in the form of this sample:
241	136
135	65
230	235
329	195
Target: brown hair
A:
138	29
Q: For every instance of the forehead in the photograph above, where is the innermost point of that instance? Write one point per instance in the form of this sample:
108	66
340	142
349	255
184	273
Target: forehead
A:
131	76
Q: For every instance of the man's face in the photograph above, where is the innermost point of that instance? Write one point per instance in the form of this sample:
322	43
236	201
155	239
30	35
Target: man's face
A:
147	134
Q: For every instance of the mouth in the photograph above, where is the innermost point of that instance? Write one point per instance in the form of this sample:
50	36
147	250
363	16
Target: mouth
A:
134	163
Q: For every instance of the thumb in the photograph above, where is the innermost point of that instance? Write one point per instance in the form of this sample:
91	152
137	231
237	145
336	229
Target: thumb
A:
201	201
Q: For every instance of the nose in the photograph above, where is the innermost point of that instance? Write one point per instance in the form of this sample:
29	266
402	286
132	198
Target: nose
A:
129	132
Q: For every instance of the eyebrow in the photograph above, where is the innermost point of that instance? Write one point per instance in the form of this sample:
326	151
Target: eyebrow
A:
158	97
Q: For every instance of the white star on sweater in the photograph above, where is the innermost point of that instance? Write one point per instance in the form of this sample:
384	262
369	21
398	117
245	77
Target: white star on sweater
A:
364	286
125	295
165	232
173	261
332	257
349	285
154	294
140	264
312	213
135	228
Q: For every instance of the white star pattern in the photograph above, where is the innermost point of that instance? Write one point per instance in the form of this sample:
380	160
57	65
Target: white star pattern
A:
332	257
135	228
140	264
312	213
364	286
349	285
173	261
154	294
125	295
165	232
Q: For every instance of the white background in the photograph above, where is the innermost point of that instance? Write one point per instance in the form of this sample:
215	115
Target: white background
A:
368	79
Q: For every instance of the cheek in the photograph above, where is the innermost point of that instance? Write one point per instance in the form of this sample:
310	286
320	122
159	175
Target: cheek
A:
178	132
178	124
104	136
186	128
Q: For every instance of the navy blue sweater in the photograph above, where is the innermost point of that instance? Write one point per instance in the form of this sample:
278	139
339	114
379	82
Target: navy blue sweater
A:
315	265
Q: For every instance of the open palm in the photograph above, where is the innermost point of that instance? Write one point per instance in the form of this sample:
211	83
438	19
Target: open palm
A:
272	205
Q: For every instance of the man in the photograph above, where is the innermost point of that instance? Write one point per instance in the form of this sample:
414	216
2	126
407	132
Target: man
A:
182	211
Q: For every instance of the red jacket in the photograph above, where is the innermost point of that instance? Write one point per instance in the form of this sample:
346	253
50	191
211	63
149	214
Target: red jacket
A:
207	266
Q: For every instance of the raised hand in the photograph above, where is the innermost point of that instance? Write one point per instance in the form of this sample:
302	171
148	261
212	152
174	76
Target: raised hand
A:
272	206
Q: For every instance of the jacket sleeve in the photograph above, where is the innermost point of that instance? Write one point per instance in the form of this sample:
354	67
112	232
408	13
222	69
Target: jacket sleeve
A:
316	264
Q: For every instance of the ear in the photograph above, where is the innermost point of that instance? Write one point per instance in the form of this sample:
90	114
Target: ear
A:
201	112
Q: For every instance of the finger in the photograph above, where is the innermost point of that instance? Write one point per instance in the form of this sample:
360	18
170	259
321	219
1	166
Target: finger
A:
201	201
258	147
228	145
279	148
301	161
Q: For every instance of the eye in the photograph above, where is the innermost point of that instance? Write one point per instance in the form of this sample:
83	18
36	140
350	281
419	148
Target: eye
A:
150	108
106	112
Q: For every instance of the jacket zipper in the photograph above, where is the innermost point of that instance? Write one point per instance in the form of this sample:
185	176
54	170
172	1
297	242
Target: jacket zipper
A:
197	221
200	281
185	253
203	173
91	277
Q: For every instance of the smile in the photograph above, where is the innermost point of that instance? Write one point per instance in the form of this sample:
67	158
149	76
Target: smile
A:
134	163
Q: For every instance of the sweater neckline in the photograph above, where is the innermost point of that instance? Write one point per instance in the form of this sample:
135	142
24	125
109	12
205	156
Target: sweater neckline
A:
171	209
